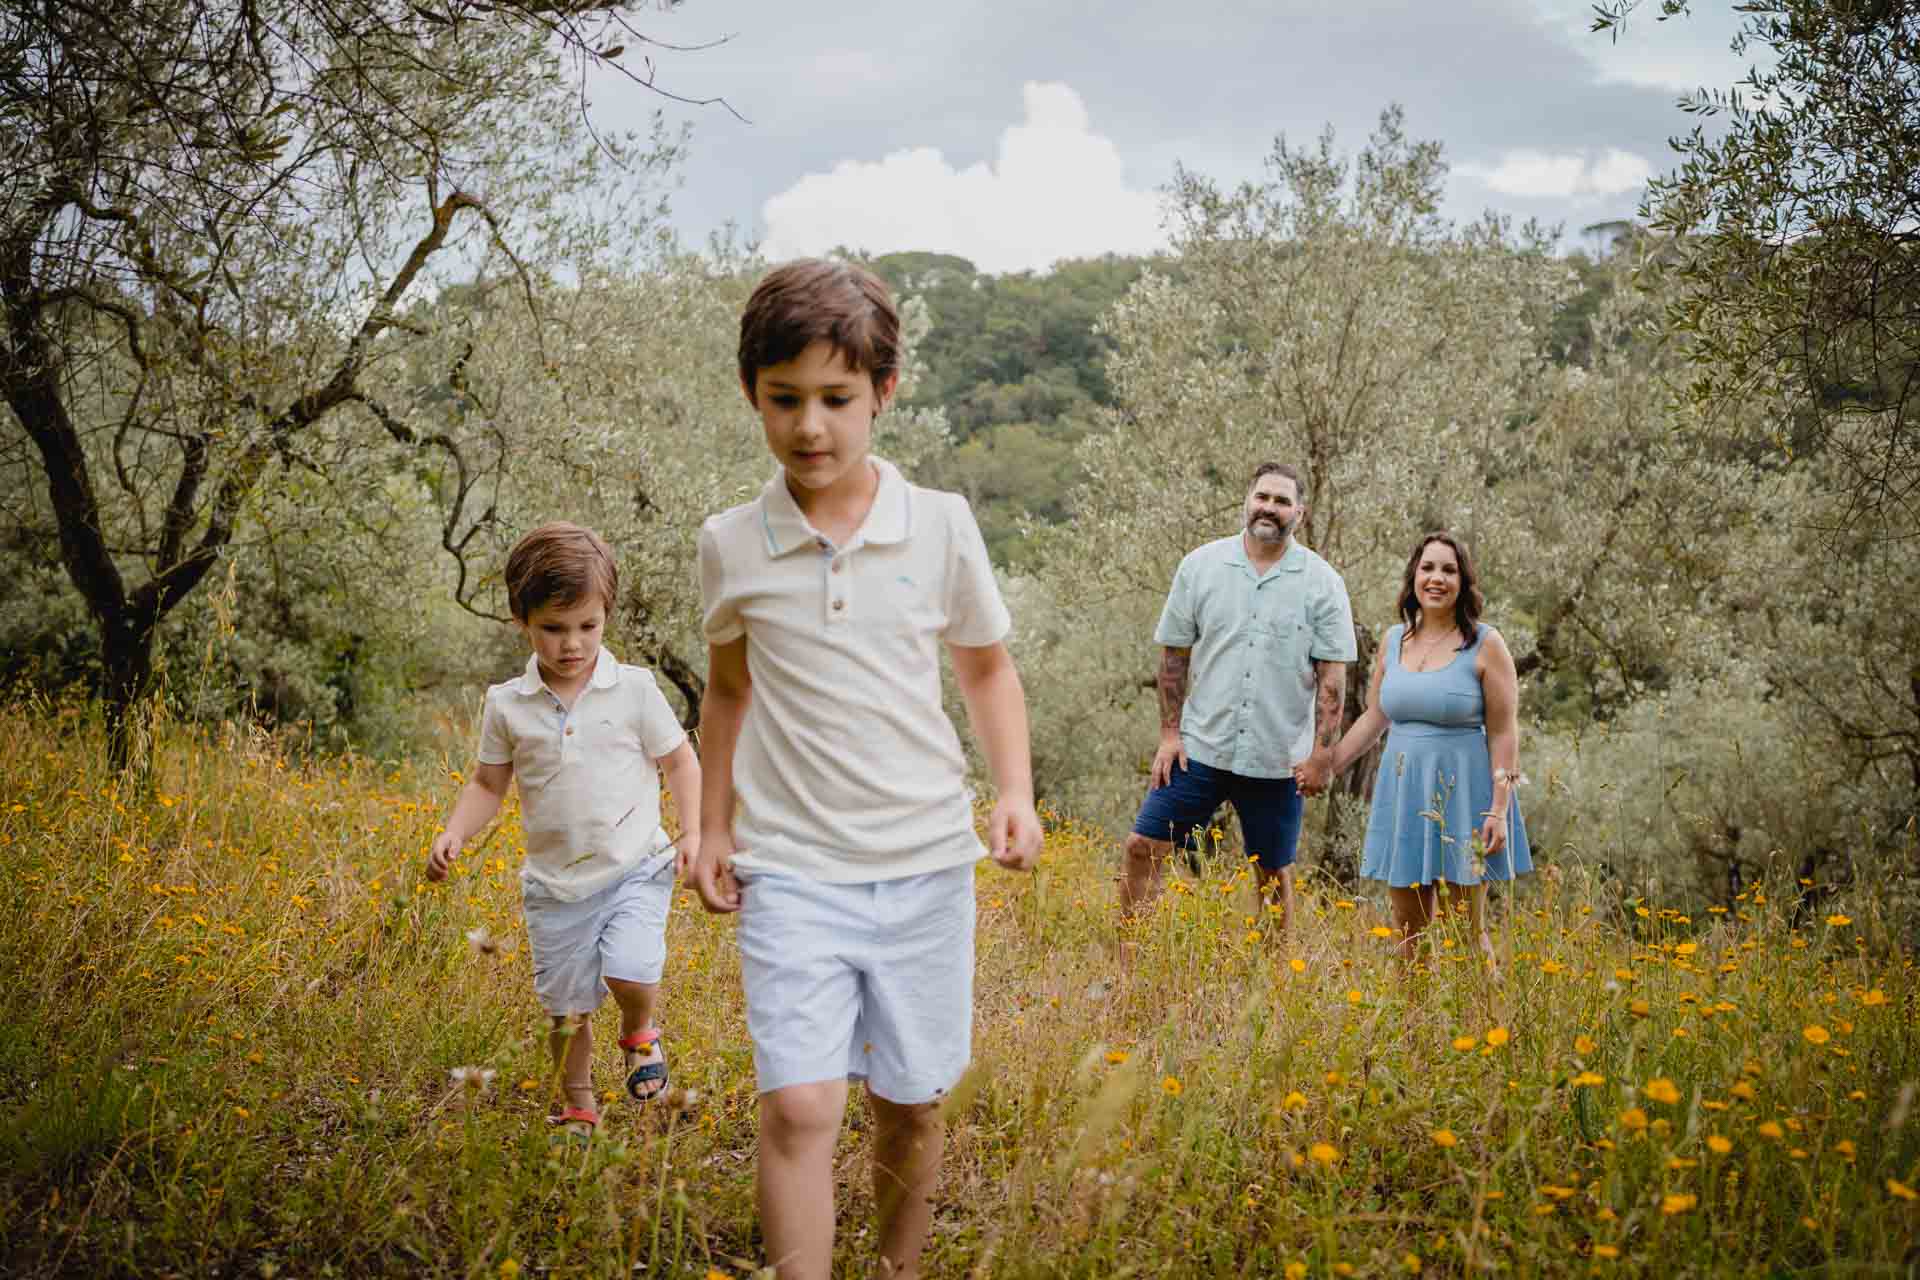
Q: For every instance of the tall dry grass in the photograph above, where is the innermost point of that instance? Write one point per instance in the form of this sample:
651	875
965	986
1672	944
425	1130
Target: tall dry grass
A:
233	1015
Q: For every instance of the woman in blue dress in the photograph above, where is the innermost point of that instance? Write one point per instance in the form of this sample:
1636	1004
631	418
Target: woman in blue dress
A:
1445	693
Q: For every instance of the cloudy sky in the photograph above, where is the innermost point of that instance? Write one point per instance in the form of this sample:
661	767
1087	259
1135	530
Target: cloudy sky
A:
1017	132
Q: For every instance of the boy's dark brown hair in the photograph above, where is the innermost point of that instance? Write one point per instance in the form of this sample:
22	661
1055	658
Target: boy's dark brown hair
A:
559	564
811	300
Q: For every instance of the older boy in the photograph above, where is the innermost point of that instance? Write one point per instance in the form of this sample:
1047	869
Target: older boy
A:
584	734
851	857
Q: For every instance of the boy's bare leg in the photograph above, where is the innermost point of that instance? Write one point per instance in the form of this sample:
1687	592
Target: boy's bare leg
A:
798	1127
637	1001
908	1142
571	1042
1146	868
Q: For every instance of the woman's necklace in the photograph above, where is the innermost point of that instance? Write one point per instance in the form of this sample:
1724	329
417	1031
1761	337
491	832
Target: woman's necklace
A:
1427	652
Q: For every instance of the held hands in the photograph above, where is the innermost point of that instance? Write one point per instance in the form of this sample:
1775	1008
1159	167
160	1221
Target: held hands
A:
713	873
686	851
1013	834
446	847
1172	749
1314	774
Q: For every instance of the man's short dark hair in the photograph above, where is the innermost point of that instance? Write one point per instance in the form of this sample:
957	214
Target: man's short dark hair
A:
1280	469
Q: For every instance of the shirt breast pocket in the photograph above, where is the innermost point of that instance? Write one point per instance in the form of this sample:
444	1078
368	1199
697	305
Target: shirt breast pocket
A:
607	736
1283	635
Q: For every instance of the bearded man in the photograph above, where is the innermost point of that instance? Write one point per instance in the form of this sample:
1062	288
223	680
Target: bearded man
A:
1255	638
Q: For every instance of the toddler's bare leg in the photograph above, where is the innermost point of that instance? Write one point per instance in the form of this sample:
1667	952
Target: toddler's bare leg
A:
571	1042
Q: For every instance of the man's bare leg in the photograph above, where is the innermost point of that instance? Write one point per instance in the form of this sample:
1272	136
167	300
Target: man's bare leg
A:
1144	873
1275	890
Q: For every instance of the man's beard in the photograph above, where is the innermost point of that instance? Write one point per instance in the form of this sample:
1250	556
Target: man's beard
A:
1269	529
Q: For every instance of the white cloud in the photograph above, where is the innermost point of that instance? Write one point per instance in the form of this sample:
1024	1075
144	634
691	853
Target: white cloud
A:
1543	175
1649	52
1055	190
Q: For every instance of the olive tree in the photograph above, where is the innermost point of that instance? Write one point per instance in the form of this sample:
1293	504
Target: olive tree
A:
214	222
1792	226
1326	316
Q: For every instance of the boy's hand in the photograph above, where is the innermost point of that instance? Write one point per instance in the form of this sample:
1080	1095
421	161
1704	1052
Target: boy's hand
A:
446	847
1013	834
686	851
713	874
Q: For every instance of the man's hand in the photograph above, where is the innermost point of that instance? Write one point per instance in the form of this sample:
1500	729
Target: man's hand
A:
1315	773
713	874
446	847
1172	749
1013	834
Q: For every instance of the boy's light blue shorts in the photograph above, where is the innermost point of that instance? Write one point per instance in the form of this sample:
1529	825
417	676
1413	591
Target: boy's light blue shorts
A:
620	932
871	980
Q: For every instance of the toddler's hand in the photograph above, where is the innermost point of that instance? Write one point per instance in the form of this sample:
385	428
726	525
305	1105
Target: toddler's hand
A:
446	847
713	874
686	851
1013	834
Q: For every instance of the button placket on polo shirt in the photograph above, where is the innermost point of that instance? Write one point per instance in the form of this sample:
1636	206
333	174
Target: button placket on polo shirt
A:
836	576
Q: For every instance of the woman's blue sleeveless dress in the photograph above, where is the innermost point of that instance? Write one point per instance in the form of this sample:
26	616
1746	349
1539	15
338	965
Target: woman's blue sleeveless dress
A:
1436	779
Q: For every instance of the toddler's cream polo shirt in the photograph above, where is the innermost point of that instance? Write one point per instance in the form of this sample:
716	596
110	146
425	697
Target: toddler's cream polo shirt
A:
847	768
589	787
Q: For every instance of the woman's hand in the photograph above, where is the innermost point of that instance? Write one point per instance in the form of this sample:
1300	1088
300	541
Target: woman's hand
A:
1493	834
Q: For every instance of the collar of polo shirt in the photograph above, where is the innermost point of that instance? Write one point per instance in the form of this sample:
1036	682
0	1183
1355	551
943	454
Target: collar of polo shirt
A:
606	673
890	519
1292	562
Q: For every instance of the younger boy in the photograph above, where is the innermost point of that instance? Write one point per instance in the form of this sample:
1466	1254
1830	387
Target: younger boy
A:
584	733
851	858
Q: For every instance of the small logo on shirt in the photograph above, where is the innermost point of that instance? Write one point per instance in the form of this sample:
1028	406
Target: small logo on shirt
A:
905	581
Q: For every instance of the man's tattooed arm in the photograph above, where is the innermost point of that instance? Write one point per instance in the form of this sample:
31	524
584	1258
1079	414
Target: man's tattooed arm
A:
1330	703
1174	664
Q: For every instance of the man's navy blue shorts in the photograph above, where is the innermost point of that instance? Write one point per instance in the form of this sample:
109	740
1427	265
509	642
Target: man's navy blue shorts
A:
1270	810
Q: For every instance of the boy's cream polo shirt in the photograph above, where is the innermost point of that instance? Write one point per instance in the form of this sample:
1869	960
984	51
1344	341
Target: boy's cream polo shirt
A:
847	768
589	787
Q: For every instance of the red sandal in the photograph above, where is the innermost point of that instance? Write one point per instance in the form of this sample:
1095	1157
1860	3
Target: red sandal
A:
647	1072
572	1119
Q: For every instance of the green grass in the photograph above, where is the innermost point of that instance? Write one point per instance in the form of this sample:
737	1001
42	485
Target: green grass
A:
230	1012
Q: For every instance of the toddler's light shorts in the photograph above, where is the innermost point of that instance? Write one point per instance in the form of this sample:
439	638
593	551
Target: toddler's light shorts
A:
867	981
619	932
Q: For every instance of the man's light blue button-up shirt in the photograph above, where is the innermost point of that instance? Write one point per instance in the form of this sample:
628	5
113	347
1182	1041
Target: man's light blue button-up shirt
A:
1255	637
